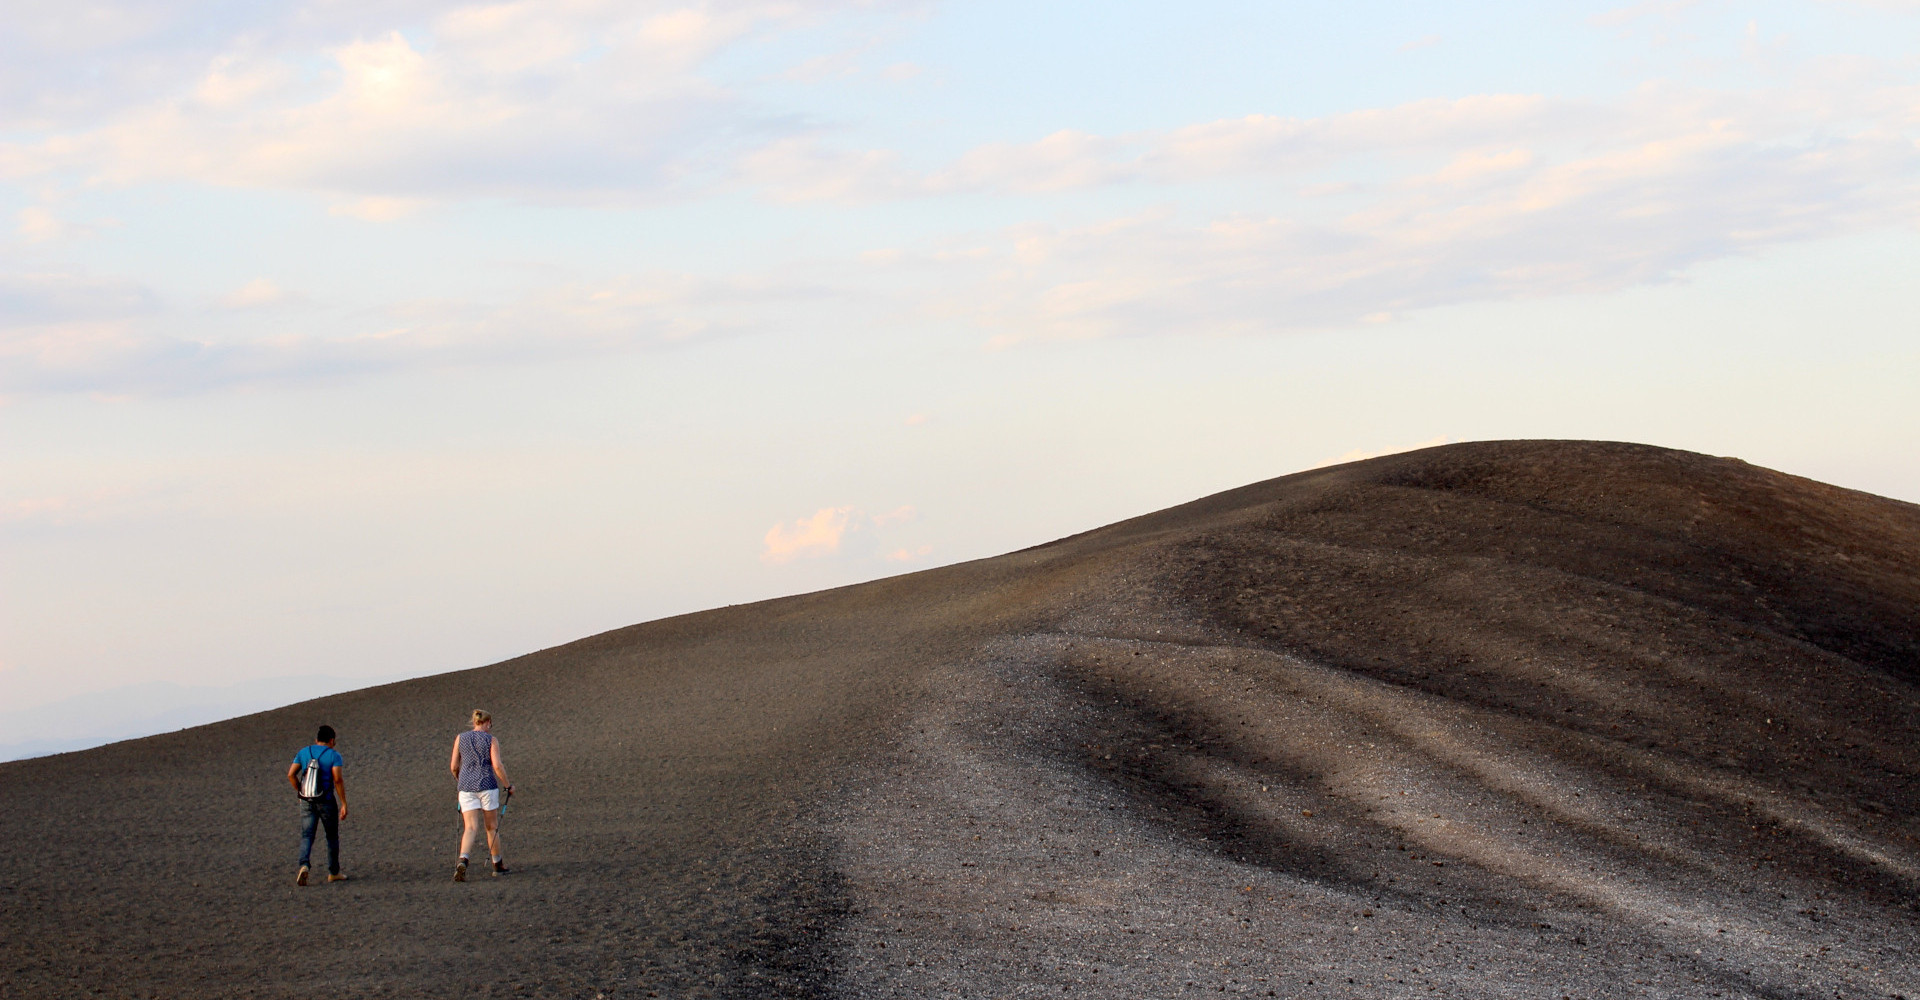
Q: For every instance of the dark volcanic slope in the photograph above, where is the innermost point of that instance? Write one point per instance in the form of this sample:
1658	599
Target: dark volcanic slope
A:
1521	719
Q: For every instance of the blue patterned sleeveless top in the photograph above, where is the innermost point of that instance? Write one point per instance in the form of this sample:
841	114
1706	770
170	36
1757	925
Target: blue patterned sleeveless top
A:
476	761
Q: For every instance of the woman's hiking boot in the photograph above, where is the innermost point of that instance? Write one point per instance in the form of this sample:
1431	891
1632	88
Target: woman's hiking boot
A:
460	871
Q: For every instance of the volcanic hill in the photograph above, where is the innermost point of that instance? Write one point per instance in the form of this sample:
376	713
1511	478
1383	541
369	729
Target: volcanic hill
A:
1507	719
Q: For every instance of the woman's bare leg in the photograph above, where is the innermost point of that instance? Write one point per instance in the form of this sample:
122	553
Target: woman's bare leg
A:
493	832
471	832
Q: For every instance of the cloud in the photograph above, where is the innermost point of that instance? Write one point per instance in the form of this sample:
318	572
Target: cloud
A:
908	555
1353	217
899	515
1621	16
1675	180
1361	455
34	508
824	533
375	209
38	224
32	299
818	535
72	333
801	168
536	101
257	294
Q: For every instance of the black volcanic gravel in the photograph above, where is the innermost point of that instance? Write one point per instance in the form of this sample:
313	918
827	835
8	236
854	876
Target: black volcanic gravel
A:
1509	719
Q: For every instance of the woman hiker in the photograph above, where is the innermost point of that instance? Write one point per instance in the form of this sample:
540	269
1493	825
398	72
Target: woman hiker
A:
480	775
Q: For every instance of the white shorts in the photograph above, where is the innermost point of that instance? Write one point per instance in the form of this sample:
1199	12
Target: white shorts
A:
488	800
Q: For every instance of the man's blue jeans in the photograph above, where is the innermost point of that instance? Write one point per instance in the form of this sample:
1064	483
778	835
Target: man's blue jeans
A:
325	812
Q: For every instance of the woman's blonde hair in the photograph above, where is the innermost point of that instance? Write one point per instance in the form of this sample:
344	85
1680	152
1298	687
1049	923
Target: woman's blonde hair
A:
480	715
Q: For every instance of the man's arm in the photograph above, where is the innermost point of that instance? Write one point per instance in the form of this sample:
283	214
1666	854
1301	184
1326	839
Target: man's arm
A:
293	772
340	789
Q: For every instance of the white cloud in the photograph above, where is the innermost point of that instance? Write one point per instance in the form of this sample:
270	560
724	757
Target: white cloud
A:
1359	216
824	533
1621	16
71	333
38	224
1897	6
1509	211
32	299
373	209
899	515
818	535
1063	160
801	168
257	294
538	101
1362	454
35	508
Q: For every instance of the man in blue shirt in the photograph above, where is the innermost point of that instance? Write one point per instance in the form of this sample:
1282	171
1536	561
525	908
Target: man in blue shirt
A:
328	809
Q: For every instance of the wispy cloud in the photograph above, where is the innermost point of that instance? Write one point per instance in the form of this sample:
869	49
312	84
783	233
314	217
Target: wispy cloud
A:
33	298
39	224
72	333
1682	180
898	515
1352	217
542	102
818	535
802	167
375	209
824	532
1620	16
259	293
1484	198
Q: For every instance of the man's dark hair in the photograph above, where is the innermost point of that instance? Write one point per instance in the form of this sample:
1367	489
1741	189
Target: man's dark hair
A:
325	735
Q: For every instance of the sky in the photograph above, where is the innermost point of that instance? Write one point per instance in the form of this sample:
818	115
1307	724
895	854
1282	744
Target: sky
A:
343	341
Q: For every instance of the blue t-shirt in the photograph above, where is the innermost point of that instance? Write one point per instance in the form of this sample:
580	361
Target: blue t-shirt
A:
329	759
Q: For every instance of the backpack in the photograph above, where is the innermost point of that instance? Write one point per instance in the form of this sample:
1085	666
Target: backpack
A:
312	785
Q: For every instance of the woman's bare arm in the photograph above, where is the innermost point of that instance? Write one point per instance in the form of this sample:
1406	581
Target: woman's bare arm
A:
455	765
499	766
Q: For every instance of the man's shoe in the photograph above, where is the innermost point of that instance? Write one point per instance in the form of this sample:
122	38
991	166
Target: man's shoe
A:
336	877
301	879
499	869
460	872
